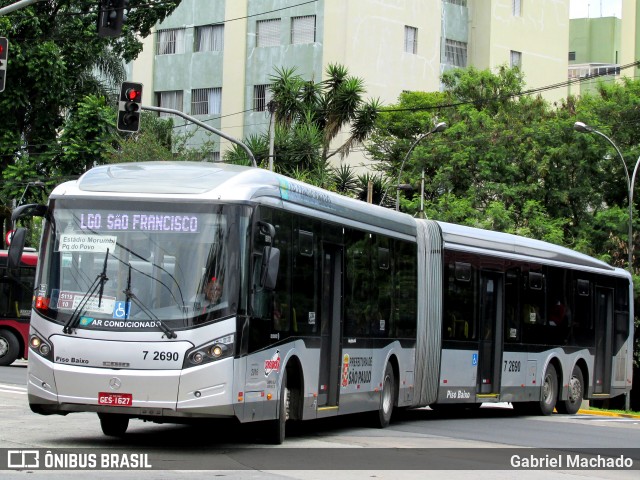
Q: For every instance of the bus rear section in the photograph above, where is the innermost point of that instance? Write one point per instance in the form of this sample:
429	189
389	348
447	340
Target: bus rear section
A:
16	296
530	323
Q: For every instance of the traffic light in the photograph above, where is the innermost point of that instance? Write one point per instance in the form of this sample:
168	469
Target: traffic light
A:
4	51
111	17
129	107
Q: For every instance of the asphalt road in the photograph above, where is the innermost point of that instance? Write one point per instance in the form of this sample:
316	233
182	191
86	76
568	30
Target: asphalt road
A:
420	443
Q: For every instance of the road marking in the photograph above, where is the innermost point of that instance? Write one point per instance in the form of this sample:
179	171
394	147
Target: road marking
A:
605	419
6	388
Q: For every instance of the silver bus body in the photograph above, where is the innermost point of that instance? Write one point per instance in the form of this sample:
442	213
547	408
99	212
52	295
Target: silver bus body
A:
130	360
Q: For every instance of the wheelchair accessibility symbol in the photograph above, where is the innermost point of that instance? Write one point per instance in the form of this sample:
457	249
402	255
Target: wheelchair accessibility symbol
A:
121	310
474	360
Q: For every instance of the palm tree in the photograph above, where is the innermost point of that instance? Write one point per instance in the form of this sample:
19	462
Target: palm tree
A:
331	105
345	180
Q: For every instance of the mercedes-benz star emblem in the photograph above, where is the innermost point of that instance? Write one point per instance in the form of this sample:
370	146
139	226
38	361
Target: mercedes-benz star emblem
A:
115	383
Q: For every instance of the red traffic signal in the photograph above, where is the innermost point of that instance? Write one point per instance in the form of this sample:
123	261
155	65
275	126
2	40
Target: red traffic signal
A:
134	94
129	107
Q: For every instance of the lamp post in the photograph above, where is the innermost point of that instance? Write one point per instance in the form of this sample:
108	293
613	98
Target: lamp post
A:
584	128
440	127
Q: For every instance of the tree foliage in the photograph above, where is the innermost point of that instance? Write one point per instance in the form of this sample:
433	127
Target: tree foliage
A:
309	117
514	163
60	78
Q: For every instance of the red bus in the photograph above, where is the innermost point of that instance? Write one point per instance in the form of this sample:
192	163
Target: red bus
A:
16	296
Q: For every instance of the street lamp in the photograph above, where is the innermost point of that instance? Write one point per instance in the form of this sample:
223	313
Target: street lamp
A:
440	127
584	128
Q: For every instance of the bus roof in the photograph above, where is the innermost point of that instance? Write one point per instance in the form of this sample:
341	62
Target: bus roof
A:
227	183
512	244
28	258
235	183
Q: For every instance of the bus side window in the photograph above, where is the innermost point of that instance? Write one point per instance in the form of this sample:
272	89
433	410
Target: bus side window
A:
459	302
304	277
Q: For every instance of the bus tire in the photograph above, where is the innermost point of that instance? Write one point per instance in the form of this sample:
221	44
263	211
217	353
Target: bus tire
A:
576	394
277	427
113	424
549	393
9	348
387	397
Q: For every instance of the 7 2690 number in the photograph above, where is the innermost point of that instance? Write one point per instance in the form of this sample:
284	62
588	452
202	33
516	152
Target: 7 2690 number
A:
161	356
512	365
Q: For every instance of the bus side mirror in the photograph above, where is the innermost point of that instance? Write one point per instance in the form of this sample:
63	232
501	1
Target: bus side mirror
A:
270	267
30	210
16	248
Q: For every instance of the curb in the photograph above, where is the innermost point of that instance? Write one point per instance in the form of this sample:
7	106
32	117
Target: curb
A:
607	414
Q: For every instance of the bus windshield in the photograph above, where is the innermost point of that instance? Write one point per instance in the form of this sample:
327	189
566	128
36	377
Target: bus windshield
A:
127	265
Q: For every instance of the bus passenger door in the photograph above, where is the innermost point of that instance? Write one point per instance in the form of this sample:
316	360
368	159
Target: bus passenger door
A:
330	326
604	327
491	329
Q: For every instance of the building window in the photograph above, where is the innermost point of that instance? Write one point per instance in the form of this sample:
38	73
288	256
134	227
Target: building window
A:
517	8
206	101
411	40
268	33
303	29
455	53
261	97
170	99
572	56
516	59
209	38
170	41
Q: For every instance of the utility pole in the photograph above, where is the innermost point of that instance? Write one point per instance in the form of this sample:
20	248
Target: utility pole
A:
271	106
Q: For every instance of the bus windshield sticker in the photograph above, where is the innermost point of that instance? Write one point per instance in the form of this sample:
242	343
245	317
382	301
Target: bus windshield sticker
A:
71	242
71	300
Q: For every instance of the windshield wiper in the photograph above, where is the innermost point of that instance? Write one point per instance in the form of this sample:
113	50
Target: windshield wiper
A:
132	297
99	282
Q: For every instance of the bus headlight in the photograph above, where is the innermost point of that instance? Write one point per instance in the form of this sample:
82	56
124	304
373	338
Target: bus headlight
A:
40	346
210	352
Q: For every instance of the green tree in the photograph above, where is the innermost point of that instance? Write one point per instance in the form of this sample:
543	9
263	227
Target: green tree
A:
156	141
309	116
56	59
507	161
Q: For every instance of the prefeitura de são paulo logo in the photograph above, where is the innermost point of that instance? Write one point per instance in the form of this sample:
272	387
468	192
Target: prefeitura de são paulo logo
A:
272	364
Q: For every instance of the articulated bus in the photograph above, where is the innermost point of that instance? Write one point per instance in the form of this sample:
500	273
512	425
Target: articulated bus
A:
16	296
326	306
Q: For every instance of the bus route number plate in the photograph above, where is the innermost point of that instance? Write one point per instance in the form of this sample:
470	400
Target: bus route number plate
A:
115	399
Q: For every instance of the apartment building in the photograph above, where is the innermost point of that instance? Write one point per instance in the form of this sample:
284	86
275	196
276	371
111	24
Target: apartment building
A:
214	58
594	52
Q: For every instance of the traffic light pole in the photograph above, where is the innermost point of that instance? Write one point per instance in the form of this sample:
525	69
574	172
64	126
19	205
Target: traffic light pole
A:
206	127
17	6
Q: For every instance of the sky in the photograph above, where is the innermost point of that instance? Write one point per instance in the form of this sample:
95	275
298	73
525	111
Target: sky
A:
595	8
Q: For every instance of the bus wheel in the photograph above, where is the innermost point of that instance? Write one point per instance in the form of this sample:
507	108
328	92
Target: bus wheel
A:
277	427
9	348
576	391
387	397
113	425
549	392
